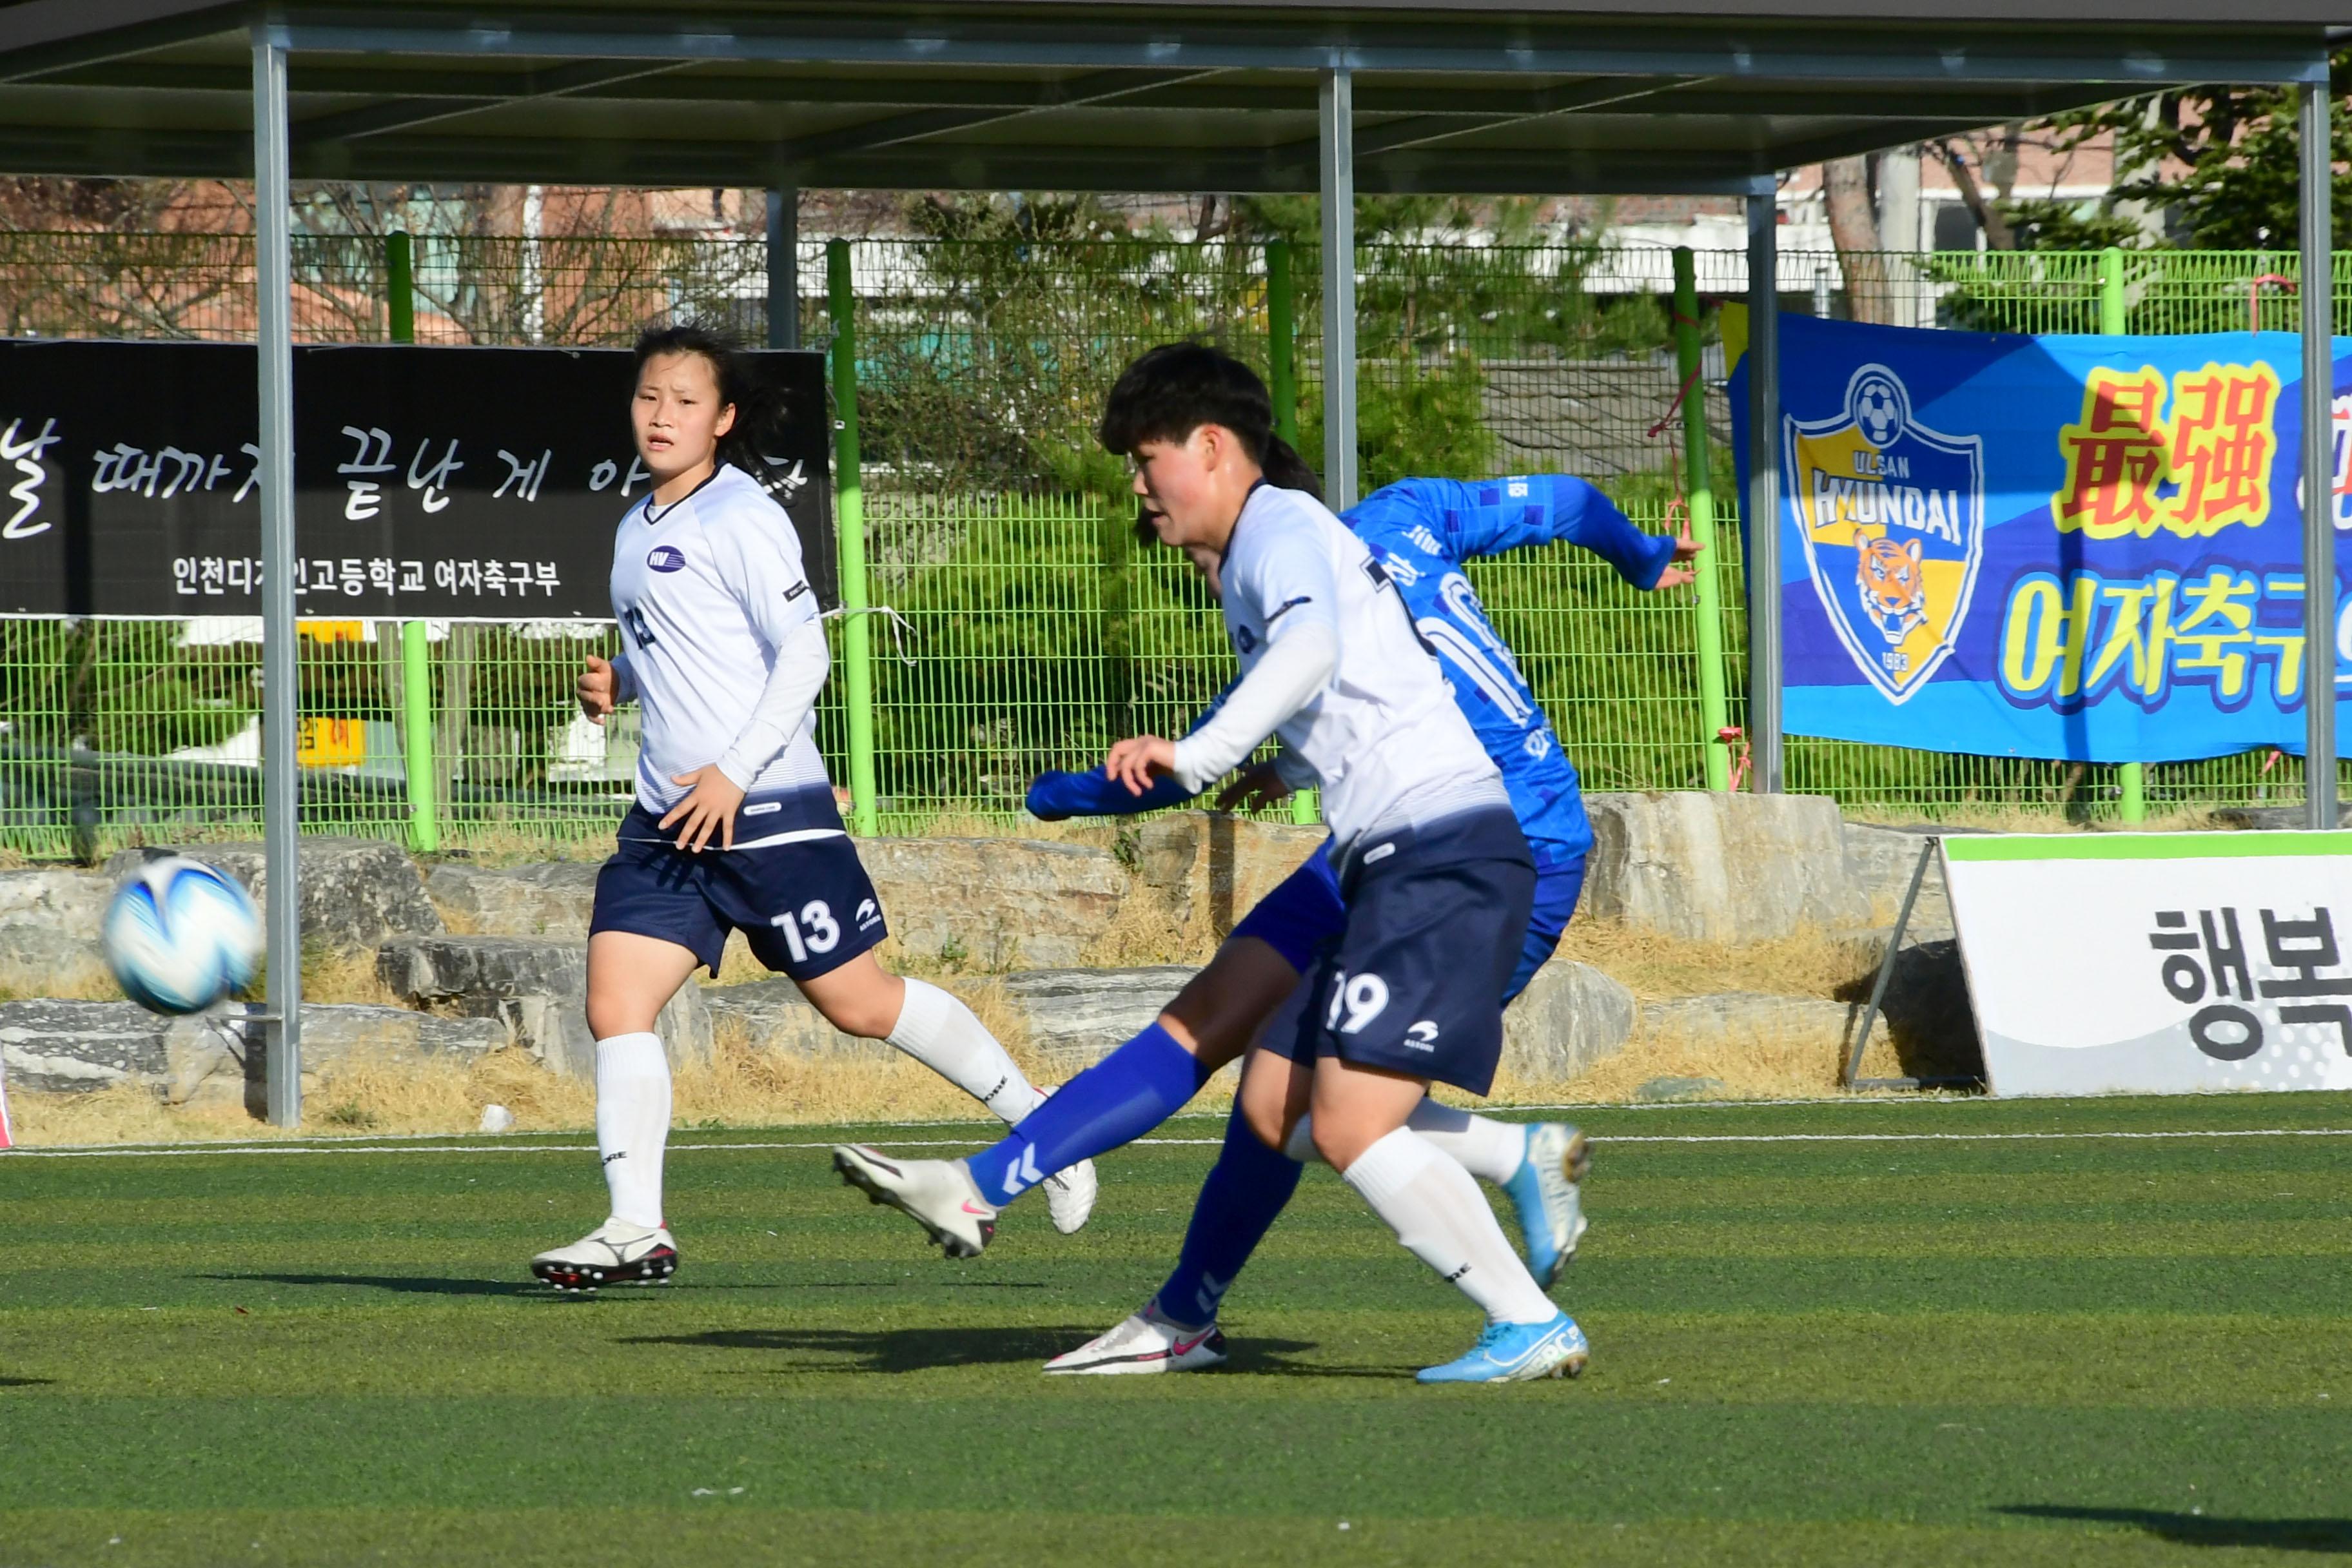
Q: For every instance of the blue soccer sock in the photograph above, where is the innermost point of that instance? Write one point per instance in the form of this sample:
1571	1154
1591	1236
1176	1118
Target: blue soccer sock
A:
1247	1187
1115	1101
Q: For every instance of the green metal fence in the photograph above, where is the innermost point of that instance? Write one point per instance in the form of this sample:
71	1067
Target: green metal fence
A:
1034	629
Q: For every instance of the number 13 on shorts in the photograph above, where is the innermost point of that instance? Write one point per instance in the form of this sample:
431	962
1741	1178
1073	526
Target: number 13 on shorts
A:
812	929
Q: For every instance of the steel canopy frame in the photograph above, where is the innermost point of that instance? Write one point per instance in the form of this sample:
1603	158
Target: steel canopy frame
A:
1158	46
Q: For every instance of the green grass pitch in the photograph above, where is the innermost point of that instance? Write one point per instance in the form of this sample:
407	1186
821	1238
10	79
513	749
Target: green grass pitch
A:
1925	1345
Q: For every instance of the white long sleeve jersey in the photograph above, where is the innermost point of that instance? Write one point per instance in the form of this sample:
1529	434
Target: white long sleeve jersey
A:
711	593
1382	735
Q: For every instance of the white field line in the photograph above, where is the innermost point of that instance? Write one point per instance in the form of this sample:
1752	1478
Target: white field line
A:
195	1150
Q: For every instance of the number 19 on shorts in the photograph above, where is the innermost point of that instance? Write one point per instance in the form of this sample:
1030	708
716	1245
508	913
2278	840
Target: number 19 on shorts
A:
812	929
1355	1001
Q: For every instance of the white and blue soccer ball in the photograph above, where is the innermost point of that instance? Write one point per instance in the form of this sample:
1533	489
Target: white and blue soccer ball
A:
181	936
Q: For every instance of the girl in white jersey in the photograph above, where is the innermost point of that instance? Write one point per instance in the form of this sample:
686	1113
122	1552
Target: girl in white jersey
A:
735	826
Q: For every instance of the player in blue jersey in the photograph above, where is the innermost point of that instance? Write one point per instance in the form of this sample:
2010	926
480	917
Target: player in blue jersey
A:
1418	533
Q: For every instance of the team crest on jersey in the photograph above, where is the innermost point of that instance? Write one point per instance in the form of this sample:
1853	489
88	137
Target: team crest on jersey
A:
666	558
1892	517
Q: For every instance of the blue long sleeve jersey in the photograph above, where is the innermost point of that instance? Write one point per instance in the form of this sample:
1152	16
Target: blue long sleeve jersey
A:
1422	530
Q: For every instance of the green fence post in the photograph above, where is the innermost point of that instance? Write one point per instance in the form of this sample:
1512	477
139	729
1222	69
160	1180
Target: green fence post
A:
1281	340
1281	383
849	513
415	648
2130	777
1714	714
399	287
416	737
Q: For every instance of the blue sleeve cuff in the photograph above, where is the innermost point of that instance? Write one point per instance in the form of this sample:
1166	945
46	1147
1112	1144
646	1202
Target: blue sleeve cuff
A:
1056	796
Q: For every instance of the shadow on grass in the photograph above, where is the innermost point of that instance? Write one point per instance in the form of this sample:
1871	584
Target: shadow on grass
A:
924	1349
2209	1530
25	1382
401	1284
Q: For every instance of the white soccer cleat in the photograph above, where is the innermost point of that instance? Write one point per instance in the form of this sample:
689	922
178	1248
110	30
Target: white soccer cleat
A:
1548	1191
1070	1196
612	1253
938	1194
1070	1193
1145	1343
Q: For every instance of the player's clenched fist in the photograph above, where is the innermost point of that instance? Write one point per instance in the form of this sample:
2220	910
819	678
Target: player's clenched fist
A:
596	687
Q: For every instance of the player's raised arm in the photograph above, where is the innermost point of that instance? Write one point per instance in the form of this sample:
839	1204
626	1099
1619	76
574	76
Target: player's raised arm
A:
1487	517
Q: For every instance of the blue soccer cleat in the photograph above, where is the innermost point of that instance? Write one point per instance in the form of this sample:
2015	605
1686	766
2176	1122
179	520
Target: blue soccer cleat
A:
1518	1352
1547	1191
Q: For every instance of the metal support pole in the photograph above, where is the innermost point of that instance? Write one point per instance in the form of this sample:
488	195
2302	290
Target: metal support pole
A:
1763	498
849	512
1337	127
1713	709
784	269
280	687
2131	778
2317	295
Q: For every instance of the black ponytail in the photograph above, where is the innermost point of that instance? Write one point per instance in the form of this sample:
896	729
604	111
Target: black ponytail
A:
1286	469
759	408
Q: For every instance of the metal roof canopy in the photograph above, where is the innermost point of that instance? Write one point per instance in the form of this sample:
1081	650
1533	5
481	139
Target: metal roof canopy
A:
1176	95
1460	96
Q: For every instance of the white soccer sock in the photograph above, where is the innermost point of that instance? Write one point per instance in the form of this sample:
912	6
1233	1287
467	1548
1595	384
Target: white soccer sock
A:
1489	1150
940	1032
633	1123
1439	1214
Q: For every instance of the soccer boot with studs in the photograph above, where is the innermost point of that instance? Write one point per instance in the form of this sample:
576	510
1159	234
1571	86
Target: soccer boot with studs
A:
614	1253
1516	1353
1548	1191
938	1194
1144	1342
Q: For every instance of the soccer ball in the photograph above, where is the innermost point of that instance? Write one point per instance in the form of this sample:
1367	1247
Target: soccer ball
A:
1875	410
180	936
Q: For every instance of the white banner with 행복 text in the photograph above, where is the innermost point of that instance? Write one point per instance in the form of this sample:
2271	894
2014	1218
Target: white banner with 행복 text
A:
2157	963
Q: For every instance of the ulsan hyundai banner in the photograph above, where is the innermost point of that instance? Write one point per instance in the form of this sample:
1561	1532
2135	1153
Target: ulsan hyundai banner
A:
2080	548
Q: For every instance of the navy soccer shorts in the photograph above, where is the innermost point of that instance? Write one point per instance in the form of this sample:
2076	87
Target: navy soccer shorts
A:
1305	912
805	907
1436	919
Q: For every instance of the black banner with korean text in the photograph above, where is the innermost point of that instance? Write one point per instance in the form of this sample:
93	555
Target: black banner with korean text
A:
461	483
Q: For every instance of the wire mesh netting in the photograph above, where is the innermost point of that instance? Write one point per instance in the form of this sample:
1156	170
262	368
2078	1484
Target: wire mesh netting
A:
1036	629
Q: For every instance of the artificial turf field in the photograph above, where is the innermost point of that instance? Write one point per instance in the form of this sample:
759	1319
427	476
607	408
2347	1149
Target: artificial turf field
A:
1823	1335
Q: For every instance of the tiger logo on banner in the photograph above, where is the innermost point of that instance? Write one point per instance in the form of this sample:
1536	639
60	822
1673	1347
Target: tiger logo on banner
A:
1891	514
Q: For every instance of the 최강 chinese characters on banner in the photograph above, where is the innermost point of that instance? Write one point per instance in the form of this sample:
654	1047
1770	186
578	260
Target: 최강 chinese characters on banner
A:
2080	548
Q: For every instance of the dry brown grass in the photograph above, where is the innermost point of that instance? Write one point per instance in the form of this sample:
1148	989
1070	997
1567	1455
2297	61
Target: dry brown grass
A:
1145	930
1655	966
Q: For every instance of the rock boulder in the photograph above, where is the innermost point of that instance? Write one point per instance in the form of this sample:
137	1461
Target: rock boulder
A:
355	891
538	989
1078	1016
773	1016
1210	867
1570	1018
45	959
1881	860
76	1047
994	902
1720	868
553	899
